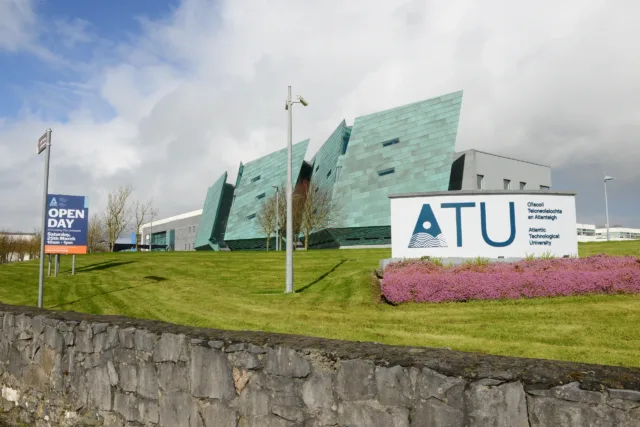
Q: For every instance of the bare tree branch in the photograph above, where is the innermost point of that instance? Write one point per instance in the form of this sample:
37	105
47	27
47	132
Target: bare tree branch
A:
118	213
142	212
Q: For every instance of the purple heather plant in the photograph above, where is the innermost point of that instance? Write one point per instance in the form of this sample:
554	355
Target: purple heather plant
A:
423	281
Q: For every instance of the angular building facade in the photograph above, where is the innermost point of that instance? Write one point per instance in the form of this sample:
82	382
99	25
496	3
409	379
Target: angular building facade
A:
401	150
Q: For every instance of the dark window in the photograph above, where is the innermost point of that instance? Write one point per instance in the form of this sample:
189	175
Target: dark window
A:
386	172
317	167
480	179
255	178
544	187
390	142
506	184
260	196
523	185
329	174
251	216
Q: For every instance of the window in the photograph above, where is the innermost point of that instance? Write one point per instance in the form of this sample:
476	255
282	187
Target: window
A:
480	182
507	184
390	142
317	167
260	196
250	217
329	174
544	187
523	185
255	178
386	172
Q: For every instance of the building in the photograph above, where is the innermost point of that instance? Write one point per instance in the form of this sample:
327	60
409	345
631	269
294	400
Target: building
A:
17	246
176	233
477	170
591	233
406	149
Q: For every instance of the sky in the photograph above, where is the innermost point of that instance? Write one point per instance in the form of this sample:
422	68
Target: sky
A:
167	95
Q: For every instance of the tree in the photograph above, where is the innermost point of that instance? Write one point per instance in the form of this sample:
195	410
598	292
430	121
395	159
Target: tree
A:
317	211
96	235
267	218
118	213
34	245
142	212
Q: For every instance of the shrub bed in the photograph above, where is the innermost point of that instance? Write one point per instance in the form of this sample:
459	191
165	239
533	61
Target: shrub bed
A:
424	281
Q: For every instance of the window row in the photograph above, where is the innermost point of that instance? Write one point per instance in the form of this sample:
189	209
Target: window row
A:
506	184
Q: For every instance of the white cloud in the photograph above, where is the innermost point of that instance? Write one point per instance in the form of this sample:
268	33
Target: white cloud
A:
204	89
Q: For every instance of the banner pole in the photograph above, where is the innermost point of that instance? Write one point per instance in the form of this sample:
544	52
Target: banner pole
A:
44	219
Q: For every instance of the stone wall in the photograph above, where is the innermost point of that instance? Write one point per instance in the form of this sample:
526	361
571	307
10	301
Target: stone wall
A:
70	369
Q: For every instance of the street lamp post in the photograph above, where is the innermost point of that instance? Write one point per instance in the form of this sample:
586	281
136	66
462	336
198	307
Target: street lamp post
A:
277	219
289	108
606	202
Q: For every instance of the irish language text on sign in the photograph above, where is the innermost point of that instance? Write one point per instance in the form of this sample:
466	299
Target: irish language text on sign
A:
67	224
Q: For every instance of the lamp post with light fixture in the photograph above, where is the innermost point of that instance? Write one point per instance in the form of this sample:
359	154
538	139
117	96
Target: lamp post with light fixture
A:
289	108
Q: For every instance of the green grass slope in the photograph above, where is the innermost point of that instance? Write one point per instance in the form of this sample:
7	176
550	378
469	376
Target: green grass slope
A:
334	299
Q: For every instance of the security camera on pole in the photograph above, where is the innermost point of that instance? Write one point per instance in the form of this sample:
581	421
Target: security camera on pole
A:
289	108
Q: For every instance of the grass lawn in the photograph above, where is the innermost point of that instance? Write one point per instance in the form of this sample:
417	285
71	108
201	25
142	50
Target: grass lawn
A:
334	299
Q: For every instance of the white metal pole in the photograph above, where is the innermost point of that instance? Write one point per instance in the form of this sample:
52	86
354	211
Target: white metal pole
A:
44	219
606	206
289	276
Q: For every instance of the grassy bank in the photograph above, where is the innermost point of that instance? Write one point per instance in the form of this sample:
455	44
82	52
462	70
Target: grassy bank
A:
241	290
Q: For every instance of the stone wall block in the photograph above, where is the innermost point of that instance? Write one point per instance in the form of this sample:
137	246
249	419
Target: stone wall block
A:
171	348
245	360
147	380
317	391
148	411
23	323
286	363
356	380
53	338
371	414
216	414
113	374
99	388
497	406
124	356
144	340
173	377
256	349
253	402
99	328
125	337
450	390
624	394
394	386
549	411
8	326
84	338
435	413
175	409
236	347
574	393
127	406
210	374
37	324
128	377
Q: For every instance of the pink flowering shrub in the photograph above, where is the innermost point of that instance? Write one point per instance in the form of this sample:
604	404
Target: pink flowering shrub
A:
423	281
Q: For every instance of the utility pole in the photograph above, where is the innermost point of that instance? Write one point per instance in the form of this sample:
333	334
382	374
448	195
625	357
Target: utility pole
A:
606	203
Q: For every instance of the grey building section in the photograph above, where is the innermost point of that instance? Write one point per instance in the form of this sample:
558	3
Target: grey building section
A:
478	170
177	235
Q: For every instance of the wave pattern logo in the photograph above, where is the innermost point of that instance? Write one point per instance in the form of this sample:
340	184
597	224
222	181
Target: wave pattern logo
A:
427	232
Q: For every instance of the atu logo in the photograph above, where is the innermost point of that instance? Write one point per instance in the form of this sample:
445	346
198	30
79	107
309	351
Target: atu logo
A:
428	234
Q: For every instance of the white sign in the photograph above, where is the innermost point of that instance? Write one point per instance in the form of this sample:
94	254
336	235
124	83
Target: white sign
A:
471	225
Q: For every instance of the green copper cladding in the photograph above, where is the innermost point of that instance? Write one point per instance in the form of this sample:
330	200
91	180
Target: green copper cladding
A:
255	187
325	161
402	150
211	228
